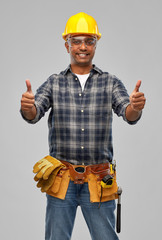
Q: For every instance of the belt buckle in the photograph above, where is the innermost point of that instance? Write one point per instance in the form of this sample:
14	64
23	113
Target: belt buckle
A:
80	169
80	177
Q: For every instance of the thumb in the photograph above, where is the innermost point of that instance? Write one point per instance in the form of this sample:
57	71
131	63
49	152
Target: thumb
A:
138	84
28	85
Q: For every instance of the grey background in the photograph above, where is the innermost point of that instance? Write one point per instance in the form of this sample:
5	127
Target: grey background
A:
32	47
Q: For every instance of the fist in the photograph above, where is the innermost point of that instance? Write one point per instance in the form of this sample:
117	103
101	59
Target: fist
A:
27	100
137	99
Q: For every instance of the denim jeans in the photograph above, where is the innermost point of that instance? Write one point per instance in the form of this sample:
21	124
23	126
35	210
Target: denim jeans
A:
60	215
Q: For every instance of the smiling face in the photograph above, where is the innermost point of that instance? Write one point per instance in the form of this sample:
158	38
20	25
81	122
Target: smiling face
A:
81	49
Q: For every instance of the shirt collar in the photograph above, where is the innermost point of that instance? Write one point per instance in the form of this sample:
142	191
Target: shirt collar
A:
94	69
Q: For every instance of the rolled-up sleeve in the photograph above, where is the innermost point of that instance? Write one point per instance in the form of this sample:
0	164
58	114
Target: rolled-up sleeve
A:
120	100
43	101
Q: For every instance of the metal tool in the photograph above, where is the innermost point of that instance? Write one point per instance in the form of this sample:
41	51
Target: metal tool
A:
118	221
107	181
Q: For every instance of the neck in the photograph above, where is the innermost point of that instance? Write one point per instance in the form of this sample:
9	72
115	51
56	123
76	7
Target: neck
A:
81	69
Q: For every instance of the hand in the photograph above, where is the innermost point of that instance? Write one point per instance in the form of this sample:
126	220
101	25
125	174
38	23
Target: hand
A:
27	100
137	99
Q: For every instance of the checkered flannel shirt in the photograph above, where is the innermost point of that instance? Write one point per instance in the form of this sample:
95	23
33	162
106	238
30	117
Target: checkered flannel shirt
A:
80	123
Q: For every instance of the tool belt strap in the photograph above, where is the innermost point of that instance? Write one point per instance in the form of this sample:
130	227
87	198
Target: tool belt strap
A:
79	173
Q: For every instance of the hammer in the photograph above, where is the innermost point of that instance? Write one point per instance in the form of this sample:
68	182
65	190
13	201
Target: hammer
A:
118	221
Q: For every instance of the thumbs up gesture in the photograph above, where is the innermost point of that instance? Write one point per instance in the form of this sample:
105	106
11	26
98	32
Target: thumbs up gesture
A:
137	99
27	100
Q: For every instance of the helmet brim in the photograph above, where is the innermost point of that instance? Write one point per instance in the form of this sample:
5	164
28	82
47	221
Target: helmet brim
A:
65	36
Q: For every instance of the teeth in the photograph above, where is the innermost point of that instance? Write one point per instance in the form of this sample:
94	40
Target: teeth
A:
82	54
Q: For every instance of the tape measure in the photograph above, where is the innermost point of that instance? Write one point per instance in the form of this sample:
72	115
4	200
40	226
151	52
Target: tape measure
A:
108	180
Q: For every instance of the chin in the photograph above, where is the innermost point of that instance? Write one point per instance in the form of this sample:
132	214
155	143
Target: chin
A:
84	63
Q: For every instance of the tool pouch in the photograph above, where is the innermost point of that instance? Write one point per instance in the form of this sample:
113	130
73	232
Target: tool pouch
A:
60	185
99	194
93	175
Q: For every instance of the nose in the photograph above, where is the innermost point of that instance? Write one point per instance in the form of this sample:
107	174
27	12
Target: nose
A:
83	45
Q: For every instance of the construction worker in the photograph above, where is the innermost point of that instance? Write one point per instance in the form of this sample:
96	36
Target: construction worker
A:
81	99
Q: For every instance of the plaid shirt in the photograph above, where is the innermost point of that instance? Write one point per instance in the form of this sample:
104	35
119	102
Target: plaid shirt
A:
80	123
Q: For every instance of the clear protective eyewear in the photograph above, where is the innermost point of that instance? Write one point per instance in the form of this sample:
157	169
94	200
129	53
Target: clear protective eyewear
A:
78	41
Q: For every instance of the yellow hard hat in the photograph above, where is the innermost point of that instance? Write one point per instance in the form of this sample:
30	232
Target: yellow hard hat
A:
81	23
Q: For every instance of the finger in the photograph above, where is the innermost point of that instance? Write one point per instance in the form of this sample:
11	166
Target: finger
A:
28	85
26	106
26	103
138	95
141	100
138	84
27	99
27	96
138	106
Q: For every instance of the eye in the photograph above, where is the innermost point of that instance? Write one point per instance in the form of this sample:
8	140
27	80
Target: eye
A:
76	41
90	41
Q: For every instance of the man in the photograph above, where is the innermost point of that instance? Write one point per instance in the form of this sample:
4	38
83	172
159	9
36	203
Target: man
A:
81	99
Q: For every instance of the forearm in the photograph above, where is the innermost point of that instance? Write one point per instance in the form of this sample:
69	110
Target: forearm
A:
131	114
30	115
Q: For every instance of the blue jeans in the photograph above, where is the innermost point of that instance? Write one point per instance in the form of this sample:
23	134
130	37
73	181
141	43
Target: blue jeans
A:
60	215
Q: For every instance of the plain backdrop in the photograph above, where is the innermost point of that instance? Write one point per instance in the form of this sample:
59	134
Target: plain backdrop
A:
32	47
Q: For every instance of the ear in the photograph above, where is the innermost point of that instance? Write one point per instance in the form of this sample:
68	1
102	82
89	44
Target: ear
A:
67	47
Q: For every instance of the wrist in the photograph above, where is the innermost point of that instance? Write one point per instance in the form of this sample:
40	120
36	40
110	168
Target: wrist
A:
132	114
133	109
30	114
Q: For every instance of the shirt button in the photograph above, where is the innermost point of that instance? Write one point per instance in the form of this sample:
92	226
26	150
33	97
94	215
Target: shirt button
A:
76	78
82	147
80	94
82	110
82	129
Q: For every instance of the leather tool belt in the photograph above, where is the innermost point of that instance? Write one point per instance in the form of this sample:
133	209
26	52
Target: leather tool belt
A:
79	173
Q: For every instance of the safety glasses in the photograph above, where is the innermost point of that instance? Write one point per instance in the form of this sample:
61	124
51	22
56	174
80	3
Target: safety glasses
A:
78	41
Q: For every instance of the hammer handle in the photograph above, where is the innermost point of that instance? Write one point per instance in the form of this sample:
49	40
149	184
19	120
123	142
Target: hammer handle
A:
118	222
